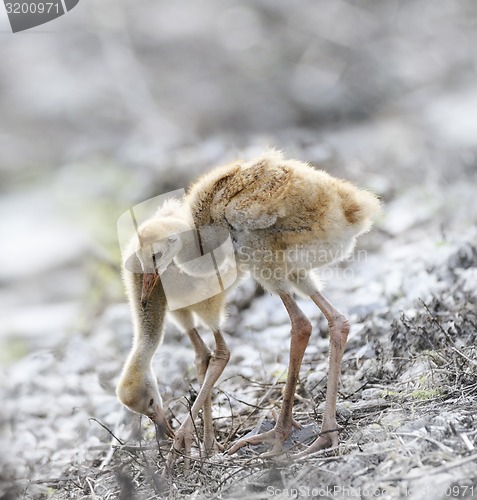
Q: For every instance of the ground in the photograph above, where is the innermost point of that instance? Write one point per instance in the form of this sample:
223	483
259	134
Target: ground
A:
407	402
382	95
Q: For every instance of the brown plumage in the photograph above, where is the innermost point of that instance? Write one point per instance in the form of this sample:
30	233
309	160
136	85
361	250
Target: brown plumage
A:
285	218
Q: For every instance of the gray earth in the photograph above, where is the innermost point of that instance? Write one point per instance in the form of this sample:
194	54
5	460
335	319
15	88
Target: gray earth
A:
114	103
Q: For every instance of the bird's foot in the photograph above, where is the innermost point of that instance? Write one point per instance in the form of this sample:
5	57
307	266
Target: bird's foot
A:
328	438
211	446
276	416
181	446
274	437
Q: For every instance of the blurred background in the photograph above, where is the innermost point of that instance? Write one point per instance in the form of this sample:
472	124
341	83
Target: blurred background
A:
113	103
116	102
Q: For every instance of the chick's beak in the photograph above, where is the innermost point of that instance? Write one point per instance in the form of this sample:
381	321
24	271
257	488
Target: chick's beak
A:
163	427
149	281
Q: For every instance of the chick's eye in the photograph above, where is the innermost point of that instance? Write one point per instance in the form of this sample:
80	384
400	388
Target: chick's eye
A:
159	254
151	402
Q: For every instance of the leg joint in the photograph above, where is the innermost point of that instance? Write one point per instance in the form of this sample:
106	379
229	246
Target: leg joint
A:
302	327
202	359
340	322
339	329
220	355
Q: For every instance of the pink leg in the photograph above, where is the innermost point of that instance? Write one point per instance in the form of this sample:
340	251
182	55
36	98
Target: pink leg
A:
300	335
202	359
217	362
339	329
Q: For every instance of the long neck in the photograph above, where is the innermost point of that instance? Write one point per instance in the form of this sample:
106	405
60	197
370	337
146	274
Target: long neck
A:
148	321
200	196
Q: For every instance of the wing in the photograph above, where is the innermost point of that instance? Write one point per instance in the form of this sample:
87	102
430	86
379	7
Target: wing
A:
259	205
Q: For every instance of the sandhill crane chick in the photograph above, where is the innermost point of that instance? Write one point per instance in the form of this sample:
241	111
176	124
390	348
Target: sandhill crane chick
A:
285	219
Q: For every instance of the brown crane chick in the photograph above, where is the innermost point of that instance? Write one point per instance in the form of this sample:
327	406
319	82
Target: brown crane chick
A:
285	219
